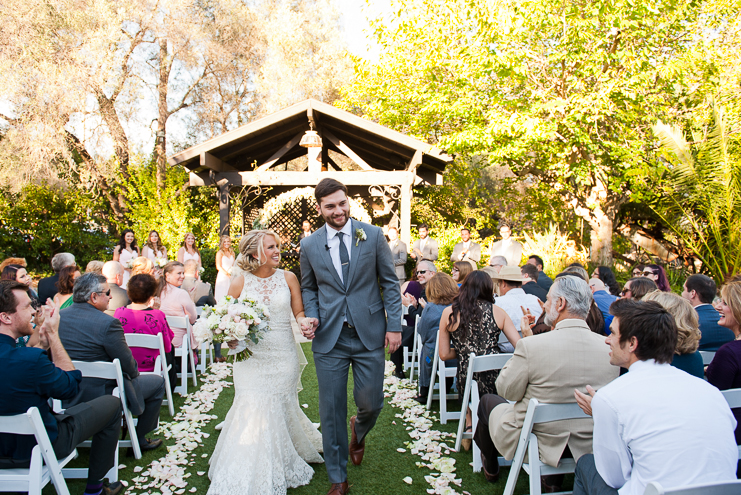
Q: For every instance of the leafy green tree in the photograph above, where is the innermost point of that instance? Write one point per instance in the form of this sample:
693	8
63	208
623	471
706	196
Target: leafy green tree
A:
563	94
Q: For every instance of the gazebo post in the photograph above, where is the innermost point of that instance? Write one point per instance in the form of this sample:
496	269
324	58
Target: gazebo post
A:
406	208
224	187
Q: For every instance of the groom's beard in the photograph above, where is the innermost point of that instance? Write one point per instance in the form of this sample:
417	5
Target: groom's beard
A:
337	222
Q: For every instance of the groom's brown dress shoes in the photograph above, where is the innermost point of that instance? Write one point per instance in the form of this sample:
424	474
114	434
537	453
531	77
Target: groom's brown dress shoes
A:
339	489
357	449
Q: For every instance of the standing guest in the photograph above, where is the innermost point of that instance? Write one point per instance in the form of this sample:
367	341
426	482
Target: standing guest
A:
199	291
512	299
700	290
305	232
636	288
153	248
543	279
724	370
441	291
608	278
507	247
473	324
497	262
94	266
547	367
224	263
30	376
686	356
139	317
645	429
175	301
142	265
189	251
603	300
466	249
65	284
461	270
13	261
638	270
124	252
48	286
113	273
424	248
398	253
658	275
90	335
530	284
18	273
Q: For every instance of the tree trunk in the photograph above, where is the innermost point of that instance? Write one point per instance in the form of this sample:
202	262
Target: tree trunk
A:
120	141
601	238
160	147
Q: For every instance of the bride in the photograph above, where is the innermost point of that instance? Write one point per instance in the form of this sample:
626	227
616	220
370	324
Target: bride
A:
266	441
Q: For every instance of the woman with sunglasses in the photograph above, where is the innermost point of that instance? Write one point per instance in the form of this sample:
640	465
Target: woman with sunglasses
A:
658	275
608	278
461	270
637	287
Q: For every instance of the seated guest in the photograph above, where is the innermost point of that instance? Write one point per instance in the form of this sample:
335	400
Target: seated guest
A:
473	324
441	290
645	428
94	266
89	334
543	279
658	275
636	288
13	261
139	317
608	278
547	367
415	305
18	273
724	370
174	301
142	265
530	284
497	262
512	299
686	357
65	284
200	292
638	270
113	271
700	290
48	285
595	321
31	376
603	300
461	269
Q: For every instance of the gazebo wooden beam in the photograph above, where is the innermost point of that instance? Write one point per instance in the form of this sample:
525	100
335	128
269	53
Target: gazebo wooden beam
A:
281	178
280	153
344	148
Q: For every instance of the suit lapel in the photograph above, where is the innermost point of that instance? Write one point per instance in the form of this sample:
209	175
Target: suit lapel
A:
322	233
355	250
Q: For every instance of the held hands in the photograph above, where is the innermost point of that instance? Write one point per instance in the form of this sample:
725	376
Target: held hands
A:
584	400
408	300
308	327
393	341
526	322
232	344
50	323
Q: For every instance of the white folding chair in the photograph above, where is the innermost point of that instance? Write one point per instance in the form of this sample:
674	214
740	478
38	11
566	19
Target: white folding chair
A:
185	354
442	372
538	413
733	397
160	365
207	353
477	364
44	465
707	357
410	357
717	488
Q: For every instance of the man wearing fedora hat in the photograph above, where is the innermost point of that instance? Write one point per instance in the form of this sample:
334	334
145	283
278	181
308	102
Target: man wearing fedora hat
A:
512	299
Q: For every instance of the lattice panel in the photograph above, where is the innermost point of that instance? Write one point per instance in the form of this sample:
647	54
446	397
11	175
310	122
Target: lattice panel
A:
287	224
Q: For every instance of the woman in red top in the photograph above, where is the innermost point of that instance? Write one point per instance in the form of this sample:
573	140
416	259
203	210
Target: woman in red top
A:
139	317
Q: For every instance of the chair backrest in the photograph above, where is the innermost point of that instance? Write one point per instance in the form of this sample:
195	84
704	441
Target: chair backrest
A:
178	321
20	424
144	341
477	364
30	423
103	369
733	397
717	488
707	357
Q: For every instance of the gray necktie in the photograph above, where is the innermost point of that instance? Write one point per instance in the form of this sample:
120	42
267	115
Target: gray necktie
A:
345	262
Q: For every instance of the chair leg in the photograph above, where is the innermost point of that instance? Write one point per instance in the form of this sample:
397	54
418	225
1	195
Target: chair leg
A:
193	368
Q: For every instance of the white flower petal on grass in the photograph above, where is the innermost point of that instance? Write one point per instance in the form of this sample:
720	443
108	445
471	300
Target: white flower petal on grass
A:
401	450
408	480
138	469
305	406
124	483
122	466
193	490
200	473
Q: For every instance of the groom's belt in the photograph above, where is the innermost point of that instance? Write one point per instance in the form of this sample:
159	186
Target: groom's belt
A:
346	324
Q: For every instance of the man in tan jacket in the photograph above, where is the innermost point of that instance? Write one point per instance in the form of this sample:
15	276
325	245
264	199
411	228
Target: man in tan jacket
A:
547	367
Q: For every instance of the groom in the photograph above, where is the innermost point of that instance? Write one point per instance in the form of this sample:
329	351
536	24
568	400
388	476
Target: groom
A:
344	266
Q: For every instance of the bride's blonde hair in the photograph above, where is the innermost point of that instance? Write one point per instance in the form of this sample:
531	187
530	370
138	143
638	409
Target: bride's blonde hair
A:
250	249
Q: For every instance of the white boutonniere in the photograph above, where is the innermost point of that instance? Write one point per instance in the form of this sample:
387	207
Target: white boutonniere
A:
359	236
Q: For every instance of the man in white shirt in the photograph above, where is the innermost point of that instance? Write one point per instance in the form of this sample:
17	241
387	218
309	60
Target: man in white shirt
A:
507	247
508	284
424	248
466	249
656	422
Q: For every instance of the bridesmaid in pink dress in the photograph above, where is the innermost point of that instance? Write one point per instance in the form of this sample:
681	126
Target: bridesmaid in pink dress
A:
175	301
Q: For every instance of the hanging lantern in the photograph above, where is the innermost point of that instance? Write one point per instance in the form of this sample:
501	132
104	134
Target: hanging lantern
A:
311	139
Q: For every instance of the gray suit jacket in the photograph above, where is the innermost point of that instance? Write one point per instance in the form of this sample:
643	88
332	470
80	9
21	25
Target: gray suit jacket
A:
202	288
91	335
513	252
325	297
428	253
474	252
399	255
119	299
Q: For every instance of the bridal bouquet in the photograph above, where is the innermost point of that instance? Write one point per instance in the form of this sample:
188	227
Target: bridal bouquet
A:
129	264
233	319
161	262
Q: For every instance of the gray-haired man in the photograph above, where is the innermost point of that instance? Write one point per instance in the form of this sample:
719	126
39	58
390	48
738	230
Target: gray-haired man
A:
47	286
89	334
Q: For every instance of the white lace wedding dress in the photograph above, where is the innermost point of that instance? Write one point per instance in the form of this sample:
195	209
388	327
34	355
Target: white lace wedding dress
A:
267	440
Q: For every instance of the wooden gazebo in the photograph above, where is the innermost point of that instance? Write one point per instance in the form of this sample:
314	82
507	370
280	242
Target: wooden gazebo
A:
257	154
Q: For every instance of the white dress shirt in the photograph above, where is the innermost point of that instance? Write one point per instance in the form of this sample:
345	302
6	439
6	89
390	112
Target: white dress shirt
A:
334	245
511	302
658	423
